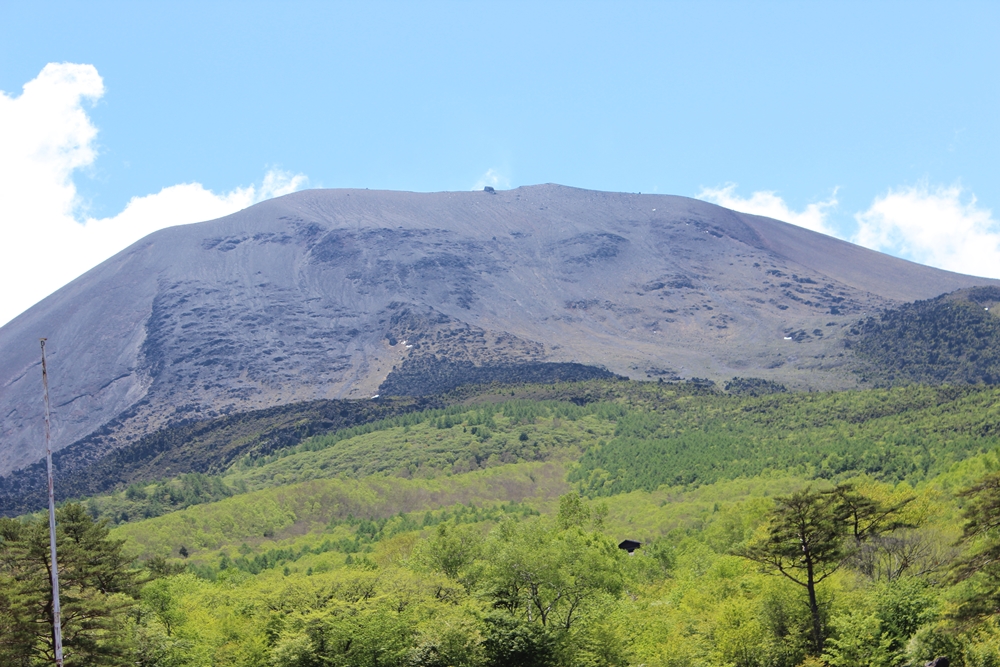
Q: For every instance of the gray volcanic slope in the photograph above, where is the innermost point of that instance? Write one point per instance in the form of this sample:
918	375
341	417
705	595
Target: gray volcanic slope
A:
322	294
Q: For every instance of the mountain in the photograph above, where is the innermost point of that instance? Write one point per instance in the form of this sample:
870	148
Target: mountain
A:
345	294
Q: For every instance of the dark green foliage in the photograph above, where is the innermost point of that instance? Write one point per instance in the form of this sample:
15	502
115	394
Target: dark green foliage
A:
95	585
949	339
146	501
865	517
512	642
754	387
429	375
812	534
980	566
805	543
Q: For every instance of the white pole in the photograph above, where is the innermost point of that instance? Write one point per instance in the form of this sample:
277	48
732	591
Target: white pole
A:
56	609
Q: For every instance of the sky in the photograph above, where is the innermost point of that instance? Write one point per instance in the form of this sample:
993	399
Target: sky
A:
873	122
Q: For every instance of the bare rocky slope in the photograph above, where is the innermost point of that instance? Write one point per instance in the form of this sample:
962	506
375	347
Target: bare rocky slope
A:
329	294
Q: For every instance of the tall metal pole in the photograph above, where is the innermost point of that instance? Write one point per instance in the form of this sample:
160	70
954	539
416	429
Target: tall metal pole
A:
56	609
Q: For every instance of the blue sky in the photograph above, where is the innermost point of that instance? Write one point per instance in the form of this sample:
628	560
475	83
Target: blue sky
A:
875	122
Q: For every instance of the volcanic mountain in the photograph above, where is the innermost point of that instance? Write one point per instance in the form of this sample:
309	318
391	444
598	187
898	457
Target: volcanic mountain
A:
353	293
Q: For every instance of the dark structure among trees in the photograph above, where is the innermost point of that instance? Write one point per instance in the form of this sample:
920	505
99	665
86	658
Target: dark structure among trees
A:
629	545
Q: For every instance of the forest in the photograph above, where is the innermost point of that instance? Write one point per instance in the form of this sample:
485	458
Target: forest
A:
776	529
953	338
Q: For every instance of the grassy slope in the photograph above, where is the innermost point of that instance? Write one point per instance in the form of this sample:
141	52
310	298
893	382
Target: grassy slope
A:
290	511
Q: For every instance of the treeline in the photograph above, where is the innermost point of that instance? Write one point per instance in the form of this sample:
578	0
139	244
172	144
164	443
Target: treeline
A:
431	375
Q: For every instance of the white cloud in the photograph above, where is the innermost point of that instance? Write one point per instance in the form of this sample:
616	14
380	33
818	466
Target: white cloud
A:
45	137
940	227
769	204
493	179
190	202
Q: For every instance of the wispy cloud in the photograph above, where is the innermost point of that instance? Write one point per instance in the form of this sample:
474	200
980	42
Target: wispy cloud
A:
493	179
46	136
768	203
191	202
940	226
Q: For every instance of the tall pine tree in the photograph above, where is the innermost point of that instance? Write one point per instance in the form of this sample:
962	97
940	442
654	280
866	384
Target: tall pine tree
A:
96	586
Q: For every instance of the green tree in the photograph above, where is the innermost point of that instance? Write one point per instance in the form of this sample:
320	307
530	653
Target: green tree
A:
980	566
803	541
158	600
379	637
95	588
868	517
812	534
549	576
877	627
453	548
514	642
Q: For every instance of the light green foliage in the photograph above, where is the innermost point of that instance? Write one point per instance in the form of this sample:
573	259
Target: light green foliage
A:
876	627
446	441
547	576
455	536
476	586
453	548
309	506
859	640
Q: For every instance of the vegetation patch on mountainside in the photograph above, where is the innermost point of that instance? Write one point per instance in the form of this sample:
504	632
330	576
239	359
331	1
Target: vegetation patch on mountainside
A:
214	445
902	434
428	375
953	339
639	436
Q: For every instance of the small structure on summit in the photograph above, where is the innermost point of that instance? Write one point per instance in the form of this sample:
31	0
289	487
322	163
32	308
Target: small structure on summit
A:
489	188
630	546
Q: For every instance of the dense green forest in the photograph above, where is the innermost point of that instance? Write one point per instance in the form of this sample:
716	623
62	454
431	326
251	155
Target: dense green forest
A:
953	338
777	529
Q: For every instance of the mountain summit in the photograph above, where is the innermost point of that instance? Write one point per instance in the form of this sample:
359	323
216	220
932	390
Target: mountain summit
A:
353	293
